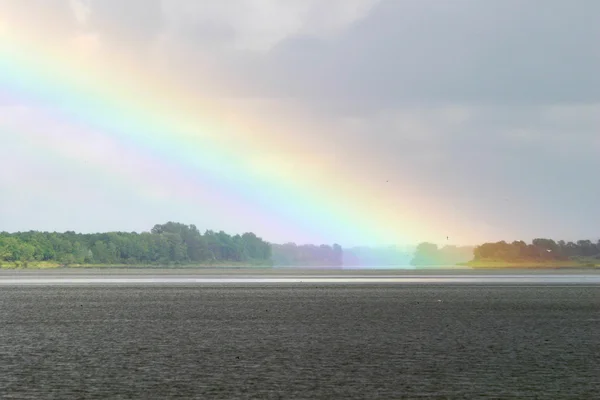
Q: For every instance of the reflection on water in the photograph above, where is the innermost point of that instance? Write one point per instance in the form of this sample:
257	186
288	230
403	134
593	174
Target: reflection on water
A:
380	267
534	279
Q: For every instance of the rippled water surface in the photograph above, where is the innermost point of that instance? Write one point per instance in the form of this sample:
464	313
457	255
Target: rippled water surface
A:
292	341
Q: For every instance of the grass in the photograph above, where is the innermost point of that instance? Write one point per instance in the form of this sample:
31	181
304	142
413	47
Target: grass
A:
55	265
532	264
32	265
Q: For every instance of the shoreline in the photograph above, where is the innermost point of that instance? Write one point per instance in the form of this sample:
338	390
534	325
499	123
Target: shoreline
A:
46	266
479	266
530	265
287	271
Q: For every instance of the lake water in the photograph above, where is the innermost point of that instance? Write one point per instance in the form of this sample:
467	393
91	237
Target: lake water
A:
317	340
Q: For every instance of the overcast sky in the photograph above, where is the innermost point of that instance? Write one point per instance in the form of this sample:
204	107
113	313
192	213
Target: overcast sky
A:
492	107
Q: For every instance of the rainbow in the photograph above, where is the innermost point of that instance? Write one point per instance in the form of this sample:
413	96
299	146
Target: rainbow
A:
226	163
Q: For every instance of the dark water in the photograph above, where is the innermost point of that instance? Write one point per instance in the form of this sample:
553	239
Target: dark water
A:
347	342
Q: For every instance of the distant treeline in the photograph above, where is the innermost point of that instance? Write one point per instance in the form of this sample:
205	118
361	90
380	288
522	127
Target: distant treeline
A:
424	255
179	244
167	244
291	254
538	250
429	254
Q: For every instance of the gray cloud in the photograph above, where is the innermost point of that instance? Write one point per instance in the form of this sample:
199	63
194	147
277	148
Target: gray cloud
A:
431	52
260	25
525	72
56	14
527	170
396	53
492	106
129	23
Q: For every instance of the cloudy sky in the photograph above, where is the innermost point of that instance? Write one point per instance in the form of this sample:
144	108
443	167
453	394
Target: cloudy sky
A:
483	116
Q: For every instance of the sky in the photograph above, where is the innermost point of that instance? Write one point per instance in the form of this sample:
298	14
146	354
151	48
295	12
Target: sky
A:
359	122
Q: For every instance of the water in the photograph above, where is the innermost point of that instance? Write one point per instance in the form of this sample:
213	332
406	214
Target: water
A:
299	341
294	276
308	280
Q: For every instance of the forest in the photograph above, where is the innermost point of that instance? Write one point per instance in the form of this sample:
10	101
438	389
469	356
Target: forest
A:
167	244
174	244
539	250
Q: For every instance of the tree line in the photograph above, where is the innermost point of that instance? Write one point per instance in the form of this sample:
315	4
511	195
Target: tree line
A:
179	244
430	254
308	255
167	244
538	250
